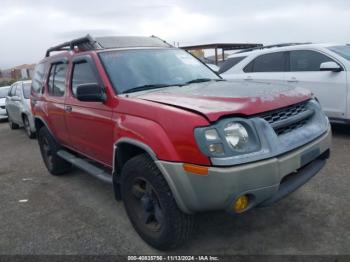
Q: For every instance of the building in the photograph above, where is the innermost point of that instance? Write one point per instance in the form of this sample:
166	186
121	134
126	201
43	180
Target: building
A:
21	72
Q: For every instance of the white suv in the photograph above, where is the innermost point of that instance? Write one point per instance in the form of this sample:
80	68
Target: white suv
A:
321	68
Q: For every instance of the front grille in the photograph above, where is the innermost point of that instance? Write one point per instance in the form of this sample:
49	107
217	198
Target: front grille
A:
2	107
289	118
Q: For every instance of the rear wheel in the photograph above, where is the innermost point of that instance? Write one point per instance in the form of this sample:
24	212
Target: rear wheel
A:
151	207
49	148
27	128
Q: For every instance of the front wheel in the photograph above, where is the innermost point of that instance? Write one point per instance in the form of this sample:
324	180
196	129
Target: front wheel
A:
151	207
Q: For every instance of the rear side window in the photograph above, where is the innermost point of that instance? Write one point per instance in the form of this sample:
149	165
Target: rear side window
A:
38	78
274	62
57	79
82	74
305	60
229	63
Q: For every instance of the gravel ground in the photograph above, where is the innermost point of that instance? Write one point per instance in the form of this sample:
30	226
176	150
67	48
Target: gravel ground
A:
76	214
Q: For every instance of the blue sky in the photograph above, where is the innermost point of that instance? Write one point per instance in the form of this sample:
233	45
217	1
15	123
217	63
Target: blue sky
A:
28	28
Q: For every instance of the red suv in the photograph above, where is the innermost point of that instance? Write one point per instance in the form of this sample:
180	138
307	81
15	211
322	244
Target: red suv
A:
172	136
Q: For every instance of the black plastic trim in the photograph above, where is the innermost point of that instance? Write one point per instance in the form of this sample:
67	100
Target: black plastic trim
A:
293	181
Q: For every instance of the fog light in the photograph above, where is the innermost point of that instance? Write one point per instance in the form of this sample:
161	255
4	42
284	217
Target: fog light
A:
241	203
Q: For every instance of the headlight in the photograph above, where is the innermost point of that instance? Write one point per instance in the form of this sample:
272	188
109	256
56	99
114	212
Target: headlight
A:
236	135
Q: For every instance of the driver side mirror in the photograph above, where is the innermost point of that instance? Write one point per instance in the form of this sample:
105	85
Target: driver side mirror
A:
91	92
330	66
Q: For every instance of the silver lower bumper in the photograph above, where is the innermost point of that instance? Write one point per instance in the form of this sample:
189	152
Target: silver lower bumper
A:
217	190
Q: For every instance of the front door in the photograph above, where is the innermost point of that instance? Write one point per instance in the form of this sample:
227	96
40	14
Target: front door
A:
329	87
89	124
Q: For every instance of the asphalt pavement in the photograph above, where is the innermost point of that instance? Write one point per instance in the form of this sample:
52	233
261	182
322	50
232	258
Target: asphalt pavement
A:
77	214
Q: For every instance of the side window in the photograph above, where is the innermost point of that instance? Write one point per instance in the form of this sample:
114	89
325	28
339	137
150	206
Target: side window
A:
82	74
57	79
274	62
38	78
13	90
305	60
229	63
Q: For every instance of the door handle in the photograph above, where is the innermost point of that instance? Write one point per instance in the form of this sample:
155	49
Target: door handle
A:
248	78
293	80
68	109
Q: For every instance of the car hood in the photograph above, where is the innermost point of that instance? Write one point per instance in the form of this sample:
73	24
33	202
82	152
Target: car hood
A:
217	99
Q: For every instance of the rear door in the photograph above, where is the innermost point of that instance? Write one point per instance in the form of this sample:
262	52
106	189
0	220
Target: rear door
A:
267	68
89	124
329	87
55	98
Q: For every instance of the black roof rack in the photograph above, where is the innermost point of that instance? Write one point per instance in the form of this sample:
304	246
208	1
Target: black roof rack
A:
89	43
270	46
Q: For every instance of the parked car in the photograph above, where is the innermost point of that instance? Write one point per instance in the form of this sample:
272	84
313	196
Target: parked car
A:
321	68
3	93
19	109
172	137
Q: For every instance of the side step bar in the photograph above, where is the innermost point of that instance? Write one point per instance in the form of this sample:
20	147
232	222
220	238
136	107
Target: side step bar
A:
86	166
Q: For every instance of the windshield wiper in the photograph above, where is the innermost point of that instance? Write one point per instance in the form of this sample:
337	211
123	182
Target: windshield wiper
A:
145	87
201	80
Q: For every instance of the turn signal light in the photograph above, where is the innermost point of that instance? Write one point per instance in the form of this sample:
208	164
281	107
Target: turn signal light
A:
198	170
241	203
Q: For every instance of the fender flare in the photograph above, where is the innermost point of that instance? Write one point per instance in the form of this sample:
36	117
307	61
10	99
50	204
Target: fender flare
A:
147	149
45	124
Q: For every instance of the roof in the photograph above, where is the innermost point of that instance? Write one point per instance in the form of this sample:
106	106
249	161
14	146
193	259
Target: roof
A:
107	42
225	46
282	47
130	41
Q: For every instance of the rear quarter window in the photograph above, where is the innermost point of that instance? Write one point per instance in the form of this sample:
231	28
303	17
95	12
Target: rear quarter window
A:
229	63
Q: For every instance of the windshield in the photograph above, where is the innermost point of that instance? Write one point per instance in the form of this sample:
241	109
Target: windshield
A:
153	68
4	91
342	50
26	90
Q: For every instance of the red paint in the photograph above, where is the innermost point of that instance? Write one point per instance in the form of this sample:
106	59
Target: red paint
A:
164	122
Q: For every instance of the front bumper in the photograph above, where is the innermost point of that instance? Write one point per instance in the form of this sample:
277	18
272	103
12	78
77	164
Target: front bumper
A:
265	182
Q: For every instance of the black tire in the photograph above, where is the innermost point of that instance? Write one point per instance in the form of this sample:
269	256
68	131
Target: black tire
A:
11	124
151	207
27	128
49	148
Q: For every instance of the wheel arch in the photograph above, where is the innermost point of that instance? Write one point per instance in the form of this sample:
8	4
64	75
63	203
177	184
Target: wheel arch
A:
125	149
39	123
